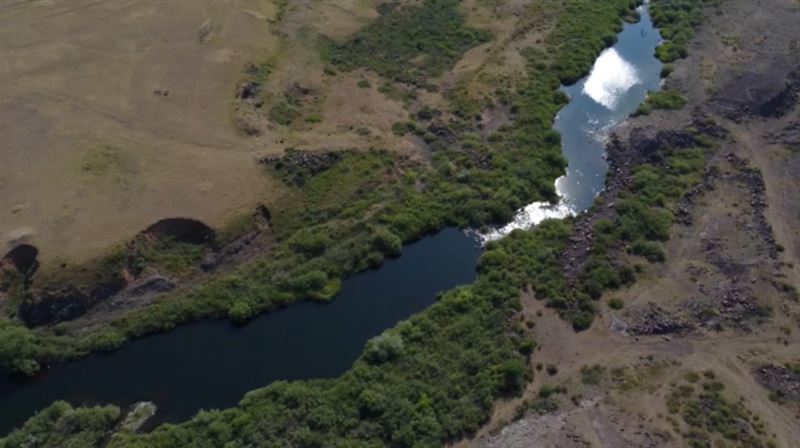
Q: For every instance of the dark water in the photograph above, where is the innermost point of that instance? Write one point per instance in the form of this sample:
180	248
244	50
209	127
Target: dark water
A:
212	364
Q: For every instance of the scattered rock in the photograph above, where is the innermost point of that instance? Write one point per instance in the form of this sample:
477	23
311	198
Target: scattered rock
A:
146	289
766	95
249	90
229	251
67	303
783	381
299	165
655	321
136	416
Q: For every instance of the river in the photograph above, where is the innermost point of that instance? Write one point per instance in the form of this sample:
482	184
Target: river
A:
212	364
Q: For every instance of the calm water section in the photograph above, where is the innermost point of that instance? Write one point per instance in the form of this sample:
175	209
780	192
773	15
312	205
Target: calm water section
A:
212	364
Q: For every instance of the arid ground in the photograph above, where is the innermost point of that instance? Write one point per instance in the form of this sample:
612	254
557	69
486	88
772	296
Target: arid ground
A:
118	114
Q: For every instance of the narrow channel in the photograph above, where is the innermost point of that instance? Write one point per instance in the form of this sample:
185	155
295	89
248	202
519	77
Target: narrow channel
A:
212	364
618	83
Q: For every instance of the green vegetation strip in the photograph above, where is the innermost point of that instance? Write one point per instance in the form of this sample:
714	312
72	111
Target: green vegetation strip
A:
676	20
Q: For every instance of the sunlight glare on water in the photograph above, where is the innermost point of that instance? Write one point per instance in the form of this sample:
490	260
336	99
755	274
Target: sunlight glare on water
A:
610	78
531	215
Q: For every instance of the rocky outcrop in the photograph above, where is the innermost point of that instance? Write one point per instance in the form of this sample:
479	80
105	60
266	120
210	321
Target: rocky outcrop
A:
229	251
655	321
789	136
137	416
766	95
784	382
299	165
52	306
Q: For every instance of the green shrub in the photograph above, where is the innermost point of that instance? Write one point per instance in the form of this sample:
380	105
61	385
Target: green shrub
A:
664	99
652	251
283	113
383	348
387	242
313	118
592	376
432	33
309	242
60	425
307	282
676	21
240	311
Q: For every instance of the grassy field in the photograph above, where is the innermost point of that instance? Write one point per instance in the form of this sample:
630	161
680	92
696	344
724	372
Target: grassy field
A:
124	109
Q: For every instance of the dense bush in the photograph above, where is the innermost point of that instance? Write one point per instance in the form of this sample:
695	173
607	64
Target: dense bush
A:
676	21
61	426
409	43
650	250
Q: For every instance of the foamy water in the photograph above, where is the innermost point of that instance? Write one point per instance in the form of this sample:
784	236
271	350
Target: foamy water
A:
531	215
611	77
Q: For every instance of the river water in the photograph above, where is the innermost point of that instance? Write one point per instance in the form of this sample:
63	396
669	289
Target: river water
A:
212	364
